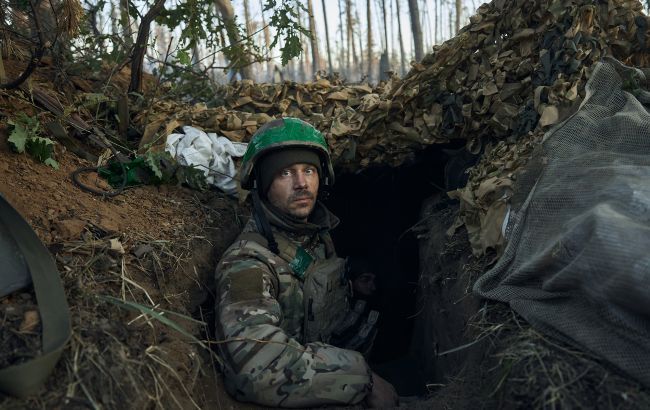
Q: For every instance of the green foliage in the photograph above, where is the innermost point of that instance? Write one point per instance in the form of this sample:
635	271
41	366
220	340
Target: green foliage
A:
42	149
287	25
192	176
153	168
24	136
183	57
156	163
166	170
193	17
199	23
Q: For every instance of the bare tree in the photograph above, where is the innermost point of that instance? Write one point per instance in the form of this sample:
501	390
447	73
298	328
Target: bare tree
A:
384	64
228	16
125	21
114	20
357	21
401	41
451	21
435	21
369	48
459	14
383	13
327	38
247	17
267	42
427	35
315	56
302	66
350	34
343	60
416	28
140	46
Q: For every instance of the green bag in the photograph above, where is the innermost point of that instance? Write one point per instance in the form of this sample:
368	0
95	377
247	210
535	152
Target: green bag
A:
24	254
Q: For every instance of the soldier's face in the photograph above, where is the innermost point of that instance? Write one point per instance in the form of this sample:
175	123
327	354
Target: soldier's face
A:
364	284
294	190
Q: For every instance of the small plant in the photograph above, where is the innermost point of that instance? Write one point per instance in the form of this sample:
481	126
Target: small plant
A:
25	136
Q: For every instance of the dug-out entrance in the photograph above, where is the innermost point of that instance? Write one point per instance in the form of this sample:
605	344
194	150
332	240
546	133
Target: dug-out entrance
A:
380	210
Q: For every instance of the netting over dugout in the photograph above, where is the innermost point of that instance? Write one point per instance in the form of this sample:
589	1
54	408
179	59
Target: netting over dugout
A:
577	263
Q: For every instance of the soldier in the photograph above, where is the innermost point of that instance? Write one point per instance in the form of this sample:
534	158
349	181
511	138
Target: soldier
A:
281	289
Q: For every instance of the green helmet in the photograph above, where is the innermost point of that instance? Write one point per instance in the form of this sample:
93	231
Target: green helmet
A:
284	133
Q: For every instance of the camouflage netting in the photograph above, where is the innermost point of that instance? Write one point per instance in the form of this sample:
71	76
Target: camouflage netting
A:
576	262
518	68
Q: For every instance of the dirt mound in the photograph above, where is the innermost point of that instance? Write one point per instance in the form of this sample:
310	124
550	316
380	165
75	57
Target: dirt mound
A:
135	269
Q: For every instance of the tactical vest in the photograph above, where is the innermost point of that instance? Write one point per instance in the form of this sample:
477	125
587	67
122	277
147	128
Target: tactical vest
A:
326	291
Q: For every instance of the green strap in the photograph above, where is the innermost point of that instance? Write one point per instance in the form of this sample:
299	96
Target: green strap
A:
24	379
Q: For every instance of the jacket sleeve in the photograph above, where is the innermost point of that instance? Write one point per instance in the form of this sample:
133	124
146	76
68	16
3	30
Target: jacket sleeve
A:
262	364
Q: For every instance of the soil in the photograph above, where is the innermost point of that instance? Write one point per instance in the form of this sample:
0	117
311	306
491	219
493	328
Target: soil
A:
165	243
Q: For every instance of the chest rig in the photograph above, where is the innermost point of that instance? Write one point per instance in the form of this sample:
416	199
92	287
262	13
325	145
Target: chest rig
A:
325	289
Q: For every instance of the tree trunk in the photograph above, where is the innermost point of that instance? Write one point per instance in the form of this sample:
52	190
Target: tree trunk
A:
343	66
416	28
140	46
243	63
125	21
315	55
426	35
383	11
302	66
327	39
114	20
451	22
435	22
350	31
401	41
360	38
459	14
247	16
369	46
384	66
267	42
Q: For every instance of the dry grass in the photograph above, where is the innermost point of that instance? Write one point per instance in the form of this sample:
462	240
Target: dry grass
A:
120	356
525	369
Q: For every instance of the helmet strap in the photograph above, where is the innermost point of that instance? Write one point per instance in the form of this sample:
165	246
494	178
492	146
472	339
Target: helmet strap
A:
262	222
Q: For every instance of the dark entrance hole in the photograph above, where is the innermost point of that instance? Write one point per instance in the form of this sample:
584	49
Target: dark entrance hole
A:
378	208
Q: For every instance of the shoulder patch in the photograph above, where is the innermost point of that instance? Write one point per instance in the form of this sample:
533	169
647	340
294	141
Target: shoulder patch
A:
246	284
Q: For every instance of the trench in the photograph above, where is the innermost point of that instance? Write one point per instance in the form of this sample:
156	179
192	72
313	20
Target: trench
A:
381	211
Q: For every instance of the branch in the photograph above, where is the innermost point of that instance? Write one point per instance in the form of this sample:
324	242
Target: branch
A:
140	46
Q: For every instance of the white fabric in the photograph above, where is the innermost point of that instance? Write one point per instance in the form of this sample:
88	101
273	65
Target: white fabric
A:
210	153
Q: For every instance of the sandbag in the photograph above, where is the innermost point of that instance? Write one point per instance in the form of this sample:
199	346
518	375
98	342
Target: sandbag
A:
23	252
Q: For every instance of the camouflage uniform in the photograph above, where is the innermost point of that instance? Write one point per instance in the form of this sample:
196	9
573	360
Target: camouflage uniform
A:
270	356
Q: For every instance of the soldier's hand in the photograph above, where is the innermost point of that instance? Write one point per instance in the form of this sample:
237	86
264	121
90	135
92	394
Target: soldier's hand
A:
383	394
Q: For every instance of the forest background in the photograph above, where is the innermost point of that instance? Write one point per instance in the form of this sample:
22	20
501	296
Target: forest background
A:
193	46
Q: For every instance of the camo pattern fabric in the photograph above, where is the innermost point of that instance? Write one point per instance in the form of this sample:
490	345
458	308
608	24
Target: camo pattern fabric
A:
260	316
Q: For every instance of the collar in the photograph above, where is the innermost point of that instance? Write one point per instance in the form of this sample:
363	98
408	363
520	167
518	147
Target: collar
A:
321	220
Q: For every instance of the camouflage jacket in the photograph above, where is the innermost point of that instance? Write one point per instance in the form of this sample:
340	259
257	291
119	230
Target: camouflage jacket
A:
270	357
